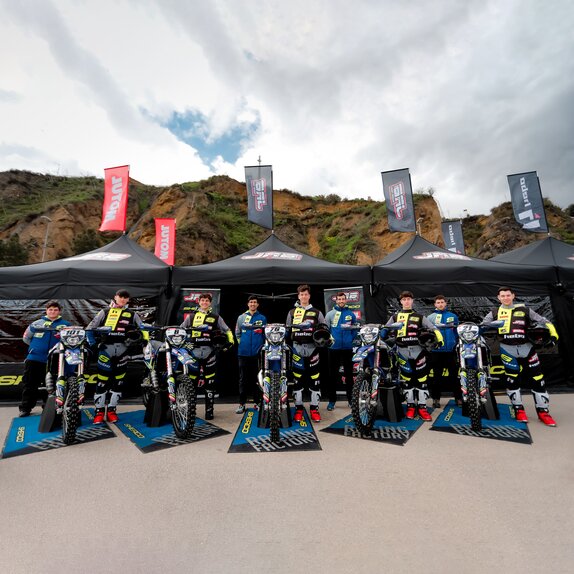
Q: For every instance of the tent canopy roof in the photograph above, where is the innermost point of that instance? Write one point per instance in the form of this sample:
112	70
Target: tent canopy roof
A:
419	262
93	275
271	262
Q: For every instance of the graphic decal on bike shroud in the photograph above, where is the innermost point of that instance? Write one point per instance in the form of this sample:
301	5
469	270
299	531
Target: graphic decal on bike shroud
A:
250	438
150	439
23	436
505	428
383	431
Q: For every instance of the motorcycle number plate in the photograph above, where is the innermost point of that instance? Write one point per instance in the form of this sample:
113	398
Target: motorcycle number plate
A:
73	356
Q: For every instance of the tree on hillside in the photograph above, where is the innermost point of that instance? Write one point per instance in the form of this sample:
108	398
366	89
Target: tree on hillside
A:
86	241
12	252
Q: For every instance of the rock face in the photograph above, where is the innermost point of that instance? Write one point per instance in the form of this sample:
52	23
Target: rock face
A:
212	220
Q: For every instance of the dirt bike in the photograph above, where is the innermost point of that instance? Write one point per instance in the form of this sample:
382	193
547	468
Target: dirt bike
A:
474	359
66	396
272	379
169	363
375	367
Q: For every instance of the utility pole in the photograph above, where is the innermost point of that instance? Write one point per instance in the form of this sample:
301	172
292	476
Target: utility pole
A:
46	235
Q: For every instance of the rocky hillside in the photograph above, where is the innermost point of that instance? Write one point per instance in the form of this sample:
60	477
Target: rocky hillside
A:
212	222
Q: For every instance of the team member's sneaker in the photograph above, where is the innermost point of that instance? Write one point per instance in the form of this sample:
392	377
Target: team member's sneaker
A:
315	415
209	414
545	417
298	414
520	414
100	416
255	406
424	414
411	412
112	416
435	404
24	413
240	410
331	406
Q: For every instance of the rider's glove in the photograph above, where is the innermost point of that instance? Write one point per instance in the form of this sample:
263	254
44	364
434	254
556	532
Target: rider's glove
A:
553	333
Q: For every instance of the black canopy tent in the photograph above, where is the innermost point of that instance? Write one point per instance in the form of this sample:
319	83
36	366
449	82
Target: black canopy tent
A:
560	256
93	275
546	252
271	270
271	262
83	284
470	284
428	269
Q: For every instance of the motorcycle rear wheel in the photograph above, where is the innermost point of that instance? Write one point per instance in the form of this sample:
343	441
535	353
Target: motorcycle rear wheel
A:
275	407
71	411
183	415
363	412
473	399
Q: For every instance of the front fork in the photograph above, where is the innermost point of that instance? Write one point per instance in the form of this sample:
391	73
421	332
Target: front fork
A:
480	375
265	381
61	383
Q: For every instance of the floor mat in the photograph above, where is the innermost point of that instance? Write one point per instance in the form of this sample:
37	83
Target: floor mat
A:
23	436
250	438
383	431
506	428
150	439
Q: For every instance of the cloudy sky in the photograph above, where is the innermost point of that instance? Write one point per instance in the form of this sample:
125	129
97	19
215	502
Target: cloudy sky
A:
330	92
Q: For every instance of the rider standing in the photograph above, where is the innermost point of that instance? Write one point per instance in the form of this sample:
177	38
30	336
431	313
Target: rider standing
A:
202	346
444	358
113	353
250	338
412	357
341	351
40	343
518	355
305	359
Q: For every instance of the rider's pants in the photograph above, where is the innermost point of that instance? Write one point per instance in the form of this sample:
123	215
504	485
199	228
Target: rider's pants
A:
521	362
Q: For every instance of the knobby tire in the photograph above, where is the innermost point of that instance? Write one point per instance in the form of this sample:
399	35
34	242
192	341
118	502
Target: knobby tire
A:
71	411
473	398
183	415
275	407
362	411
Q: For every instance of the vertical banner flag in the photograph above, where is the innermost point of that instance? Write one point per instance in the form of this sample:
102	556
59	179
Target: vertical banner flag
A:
452	236
165	240
115	198
399	198
259	182
527	202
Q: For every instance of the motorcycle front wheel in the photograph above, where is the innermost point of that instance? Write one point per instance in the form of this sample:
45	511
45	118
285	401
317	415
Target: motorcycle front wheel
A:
363	412
275	407
71	411
183	412
473	400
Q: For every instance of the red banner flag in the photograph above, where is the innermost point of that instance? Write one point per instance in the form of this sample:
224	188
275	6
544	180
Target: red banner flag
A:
165	240
115	198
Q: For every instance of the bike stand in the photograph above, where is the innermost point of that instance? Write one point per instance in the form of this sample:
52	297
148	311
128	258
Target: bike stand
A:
390	406
156	410
263	421
49	421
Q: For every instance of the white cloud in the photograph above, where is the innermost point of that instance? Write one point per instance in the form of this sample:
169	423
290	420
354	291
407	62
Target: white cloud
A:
462	93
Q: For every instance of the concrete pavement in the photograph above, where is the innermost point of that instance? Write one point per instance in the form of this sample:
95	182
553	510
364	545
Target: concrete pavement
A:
442	503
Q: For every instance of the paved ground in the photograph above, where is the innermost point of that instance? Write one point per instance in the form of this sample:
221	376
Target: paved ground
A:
442	503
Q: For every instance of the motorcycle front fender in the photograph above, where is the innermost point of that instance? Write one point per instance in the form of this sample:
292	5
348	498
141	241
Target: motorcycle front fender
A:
182	356
362	353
